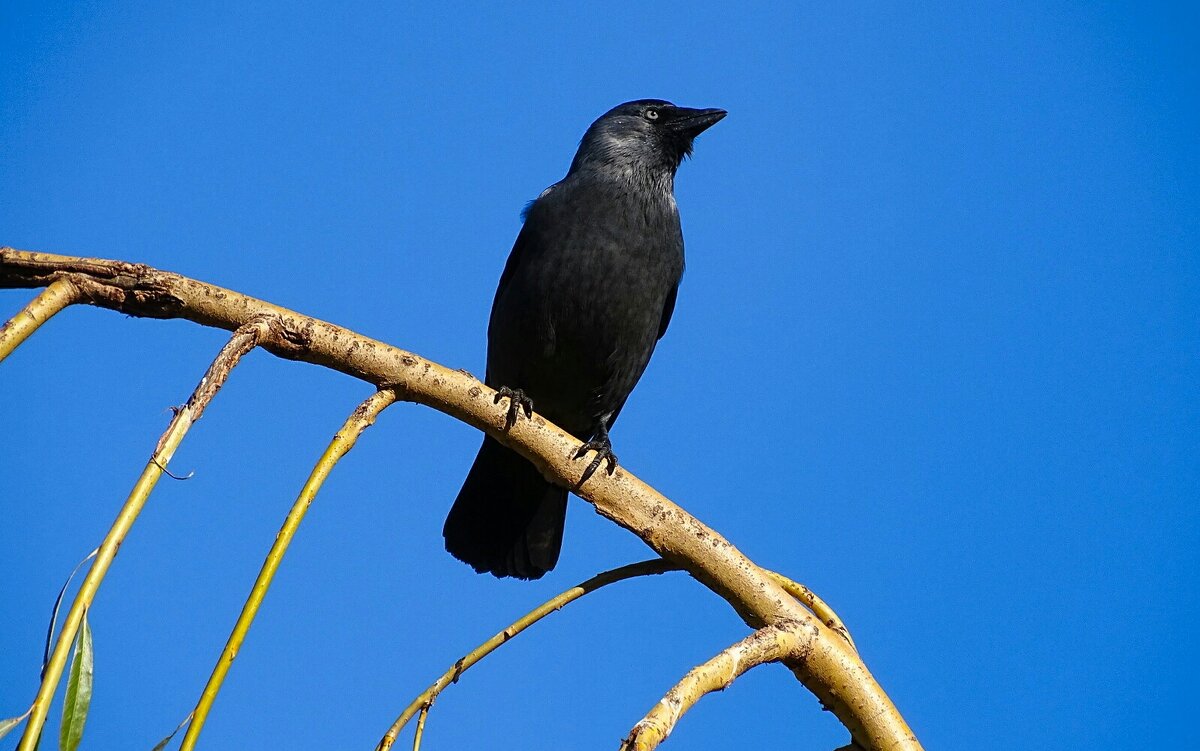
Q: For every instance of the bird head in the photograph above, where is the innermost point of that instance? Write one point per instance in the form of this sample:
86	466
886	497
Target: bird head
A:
646	136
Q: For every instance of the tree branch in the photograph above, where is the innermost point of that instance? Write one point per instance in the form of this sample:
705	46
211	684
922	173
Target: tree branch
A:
359	420
420	727
244	339
40	309
827	664
813	603
768	644
427	697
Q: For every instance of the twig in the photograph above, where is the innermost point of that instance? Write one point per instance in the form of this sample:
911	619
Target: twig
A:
429	695
421	727
243	340
813	603
768	644
40	309
358	421
173	476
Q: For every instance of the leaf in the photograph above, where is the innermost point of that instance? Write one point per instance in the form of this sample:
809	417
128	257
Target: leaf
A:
79	690
163	743
57	605
12	722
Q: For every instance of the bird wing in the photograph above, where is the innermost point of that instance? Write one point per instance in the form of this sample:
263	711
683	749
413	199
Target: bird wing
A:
504	352
668	309
510	267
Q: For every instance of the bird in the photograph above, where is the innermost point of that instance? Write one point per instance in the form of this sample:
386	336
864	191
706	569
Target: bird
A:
588	290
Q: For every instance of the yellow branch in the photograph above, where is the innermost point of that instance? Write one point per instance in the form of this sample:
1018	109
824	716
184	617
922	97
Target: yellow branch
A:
429	695
813	603
243	340
768	644
833	670
420	727
358	421
40	309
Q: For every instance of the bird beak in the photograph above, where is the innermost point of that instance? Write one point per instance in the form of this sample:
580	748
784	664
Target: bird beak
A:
692	122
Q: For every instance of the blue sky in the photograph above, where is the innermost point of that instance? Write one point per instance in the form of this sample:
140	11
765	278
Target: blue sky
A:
935	355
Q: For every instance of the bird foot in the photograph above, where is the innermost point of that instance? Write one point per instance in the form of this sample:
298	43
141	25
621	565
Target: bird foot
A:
517	403
604	453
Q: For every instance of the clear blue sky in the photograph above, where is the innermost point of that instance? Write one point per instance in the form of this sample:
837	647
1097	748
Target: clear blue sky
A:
935	355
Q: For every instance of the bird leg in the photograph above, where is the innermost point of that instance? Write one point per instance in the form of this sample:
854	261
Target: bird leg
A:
517	403
601	444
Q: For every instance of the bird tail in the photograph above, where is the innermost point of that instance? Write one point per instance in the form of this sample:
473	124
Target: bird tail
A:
507	520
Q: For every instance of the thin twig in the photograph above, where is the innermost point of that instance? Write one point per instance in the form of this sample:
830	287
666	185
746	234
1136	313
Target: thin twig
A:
243	340
40	309
427	697
174	476
358	421
421	727
813	603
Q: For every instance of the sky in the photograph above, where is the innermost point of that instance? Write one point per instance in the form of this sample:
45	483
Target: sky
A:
934	355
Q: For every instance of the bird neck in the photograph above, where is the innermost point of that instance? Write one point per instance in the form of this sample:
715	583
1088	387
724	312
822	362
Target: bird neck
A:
652	181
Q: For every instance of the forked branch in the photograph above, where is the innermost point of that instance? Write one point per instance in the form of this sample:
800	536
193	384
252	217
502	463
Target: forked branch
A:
830	667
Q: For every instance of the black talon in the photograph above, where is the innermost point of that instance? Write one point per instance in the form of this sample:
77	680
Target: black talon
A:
604	453
517	403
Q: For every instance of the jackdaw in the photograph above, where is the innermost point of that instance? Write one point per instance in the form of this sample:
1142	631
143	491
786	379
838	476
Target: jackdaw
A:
587	292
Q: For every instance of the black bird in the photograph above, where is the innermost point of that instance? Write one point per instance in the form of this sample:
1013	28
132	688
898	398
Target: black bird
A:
587	292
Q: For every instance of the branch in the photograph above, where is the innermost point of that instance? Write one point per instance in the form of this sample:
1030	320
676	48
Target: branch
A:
829	667
420	727
425	700
813	603
40	309
244	339
359	420
768	644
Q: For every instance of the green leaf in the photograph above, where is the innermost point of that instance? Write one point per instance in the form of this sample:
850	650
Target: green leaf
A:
57	605
79	690
12	722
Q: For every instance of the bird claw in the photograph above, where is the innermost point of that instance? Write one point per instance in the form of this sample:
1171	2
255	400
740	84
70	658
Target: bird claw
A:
604	453
517	403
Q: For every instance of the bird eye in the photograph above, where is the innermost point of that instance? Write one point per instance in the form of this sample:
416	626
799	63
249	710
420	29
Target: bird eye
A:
651	114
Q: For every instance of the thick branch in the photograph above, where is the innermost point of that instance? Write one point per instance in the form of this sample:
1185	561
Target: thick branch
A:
829	667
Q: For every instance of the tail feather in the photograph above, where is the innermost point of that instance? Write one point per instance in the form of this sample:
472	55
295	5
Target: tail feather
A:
507	520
